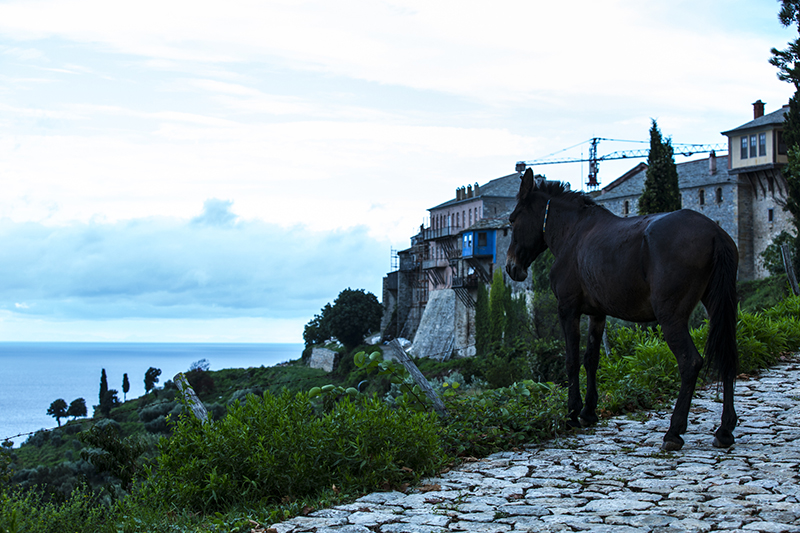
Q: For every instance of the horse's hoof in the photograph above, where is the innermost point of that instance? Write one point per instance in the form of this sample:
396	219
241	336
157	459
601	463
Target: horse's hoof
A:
574	424
586	423
671	446
718	444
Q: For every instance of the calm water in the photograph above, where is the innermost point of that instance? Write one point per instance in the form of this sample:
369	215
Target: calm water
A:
33	374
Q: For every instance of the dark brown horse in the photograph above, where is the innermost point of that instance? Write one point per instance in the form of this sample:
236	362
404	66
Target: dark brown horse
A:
641	269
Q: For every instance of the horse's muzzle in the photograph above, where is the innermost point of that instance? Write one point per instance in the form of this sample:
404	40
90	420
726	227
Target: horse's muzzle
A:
516	272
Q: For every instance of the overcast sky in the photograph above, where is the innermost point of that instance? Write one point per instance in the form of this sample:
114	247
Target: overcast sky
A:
218	171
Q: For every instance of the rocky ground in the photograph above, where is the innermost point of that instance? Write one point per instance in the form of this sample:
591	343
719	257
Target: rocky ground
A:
614	478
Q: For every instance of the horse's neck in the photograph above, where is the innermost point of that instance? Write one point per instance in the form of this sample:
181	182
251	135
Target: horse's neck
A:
564	223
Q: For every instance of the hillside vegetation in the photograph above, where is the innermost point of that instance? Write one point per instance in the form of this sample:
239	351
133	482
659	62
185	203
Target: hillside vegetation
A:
286	440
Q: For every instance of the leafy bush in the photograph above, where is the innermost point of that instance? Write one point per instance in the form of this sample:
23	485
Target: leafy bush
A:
639	372
502	418
276	447
760	294
763	337
156	409
30	512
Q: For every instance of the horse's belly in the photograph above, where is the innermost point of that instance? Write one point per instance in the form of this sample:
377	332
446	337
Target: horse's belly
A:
627	299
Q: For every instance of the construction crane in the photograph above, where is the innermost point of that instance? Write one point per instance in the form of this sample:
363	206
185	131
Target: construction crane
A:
593	159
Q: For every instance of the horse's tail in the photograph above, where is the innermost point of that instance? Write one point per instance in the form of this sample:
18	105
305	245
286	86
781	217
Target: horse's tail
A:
721	354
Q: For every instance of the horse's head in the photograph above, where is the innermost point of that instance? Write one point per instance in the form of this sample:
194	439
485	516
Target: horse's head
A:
527	233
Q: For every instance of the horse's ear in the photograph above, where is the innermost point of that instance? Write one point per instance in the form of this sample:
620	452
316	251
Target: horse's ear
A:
527	185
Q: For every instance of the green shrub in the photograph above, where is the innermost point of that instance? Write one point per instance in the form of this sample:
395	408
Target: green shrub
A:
276	447
639	372
760	294
156	409
763	337
29	512
500	419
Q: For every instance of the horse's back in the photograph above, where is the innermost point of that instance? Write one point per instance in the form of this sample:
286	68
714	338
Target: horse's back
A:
626	264
684	237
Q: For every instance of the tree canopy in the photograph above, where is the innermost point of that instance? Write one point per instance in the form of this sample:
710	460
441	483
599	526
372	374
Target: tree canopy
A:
318	330
354	314
661	193
151	378
58	410
788	63
77	408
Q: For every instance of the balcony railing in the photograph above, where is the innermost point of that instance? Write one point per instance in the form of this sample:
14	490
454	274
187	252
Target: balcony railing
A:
438	233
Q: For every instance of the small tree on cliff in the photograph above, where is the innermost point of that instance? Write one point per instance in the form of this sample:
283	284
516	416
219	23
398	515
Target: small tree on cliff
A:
151	378
58	410
354	314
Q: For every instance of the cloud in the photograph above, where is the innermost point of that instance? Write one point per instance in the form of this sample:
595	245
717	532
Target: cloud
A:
214	266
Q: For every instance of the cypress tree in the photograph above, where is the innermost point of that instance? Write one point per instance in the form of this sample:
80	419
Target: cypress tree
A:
482	320
661	193
497	314
103	390
126	386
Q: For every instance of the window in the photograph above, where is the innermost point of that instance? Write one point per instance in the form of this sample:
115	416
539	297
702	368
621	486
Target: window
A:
771	215
719	195
702	197
744	148
626	208
752	146
762	144
781	144
470	217
482	239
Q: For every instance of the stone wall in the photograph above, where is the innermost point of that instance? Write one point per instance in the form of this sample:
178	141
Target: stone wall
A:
435	335
322	358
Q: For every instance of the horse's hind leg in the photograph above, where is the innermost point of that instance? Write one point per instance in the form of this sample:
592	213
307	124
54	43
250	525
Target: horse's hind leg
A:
591	359
689	364
723	437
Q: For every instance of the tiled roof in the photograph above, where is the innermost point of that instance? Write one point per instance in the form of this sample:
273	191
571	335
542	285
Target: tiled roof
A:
505	187
620	180
776	117
498	222
690	174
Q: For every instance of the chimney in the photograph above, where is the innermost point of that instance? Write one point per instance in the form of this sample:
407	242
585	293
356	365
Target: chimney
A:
469	191
712	163
477	189
758	109
458	193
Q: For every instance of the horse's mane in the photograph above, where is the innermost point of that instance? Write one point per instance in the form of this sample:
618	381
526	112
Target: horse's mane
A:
561	189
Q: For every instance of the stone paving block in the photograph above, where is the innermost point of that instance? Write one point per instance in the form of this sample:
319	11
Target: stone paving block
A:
771	527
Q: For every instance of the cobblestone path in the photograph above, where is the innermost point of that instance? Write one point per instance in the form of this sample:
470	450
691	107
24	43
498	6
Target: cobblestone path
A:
614	478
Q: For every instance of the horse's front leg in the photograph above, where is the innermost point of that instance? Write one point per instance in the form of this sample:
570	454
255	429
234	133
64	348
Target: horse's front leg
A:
591	359
570	324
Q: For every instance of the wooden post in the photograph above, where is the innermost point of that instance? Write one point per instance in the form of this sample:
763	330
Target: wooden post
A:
400	354
786	254
195	404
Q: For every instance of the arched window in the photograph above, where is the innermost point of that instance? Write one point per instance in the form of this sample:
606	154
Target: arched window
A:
702	197
626	208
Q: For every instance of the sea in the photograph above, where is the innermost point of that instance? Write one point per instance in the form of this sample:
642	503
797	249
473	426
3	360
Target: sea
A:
34	374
